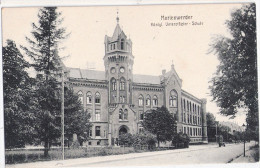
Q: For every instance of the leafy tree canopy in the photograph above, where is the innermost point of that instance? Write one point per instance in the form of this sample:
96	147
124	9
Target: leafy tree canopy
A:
160	123
18	105
234	85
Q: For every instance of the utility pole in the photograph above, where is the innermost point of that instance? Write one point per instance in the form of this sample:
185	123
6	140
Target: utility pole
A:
62	112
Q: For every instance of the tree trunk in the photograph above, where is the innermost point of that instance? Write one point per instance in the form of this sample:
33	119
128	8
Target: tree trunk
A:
46	148
158	141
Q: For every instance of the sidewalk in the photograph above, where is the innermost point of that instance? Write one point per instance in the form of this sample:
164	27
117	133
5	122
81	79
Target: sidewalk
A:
100	159
247	159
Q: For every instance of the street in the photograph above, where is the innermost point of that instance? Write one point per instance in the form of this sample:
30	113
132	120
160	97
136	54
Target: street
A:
194	155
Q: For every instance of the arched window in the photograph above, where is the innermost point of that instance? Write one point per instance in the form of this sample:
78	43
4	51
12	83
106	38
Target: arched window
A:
123	115
126	114
97	98
97	130
140	100
122	84
148	100
89	98
122	44
122	99
155	100
80	95
173	99
113	82
120	114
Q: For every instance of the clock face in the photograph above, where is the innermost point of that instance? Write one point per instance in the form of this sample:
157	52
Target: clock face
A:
122	69
113	70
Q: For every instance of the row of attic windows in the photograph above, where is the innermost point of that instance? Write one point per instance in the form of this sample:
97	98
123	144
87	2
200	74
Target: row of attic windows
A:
113	46
97	97
147	100
121	84
173	100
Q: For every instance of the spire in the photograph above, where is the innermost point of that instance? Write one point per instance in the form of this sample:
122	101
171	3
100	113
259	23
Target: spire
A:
117	18
172	66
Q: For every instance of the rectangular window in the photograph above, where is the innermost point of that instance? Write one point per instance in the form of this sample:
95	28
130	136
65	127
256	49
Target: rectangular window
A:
155	102
184	130
97	100
141	115
89	100
140	102
97	114
105	134
90	132
97	130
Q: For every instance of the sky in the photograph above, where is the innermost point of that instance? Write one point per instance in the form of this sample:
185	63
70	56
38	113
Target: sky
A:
154	48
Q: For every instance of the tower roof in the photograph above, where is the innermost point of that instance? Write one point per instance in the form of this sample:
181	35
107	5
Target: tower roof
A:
117	32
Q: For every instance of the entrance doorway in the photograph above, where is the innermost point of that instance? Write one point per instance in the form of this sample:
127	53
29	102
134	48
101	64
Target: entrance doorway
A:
123	130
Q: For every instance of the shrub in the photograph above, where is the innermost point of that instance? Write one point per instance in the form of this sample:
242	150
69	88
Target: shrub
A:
181	140
126	139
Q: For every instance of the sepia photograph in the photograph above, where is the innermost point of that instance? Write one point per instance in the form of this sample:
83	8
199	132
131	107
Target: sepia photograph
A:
130	85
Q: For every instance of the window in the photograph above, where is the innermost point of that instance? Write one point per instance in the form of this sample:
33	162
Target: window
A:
80	95
113	81
122	44
141	115
122	99
97	114
173	98
89	143
148	100
97	98
114	46
90	132
141	130
89	111
122	84
184	105
120	114
184	130
123	115
140	100
155	100
191	131
126	114
89	98
98	142
105	134
97	130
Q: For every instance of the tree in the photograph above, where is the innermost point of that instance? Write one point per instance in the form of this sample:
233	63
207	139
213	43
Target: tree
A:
47	36
75	118
18	105
211	119
234	85
161	123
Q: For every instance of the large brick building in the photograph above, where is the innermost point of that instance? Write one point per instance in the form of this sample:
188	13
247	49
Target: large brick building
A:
117	99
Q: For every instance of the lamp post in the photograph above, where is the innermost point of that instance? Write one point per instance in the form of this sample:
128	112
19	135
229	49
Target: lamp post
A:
62	113
244	139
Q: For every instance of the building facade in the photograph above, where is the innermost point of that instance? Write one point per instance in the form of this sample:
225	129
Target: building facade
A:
117	99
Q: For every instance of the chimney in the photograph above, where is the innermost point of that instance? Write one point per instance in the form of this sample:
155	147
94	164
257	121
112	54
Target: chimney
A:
163	72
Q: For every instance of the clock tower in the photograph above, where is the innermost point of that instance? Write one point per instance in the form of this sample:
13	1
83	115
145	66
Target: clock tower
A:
118	61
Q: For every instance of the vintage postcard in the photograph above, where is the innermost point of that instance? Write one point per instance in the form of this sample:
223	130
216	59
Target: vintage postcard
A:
133	85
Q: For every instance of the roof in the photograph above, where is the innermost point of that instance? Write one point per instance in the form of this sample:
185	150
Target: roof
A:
149	79
86	74
100	75
117	32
